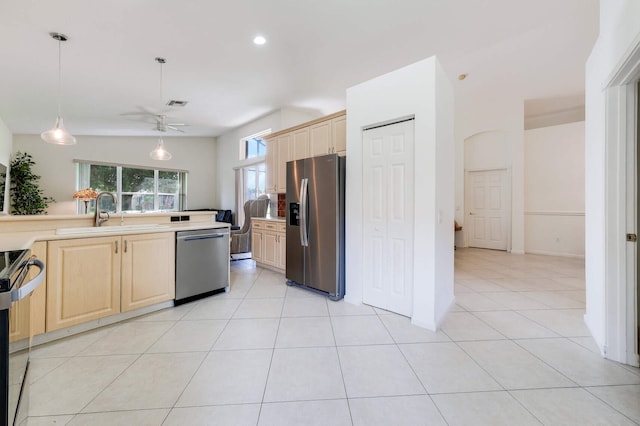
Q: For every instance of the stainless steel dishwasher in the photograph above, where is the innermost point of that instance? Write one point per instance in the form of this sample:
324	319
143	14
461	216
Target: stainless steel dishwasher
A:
202	263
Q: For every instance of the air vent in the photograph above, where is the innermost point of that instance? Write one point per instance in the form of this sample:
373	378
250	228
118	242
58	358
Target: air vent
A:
175	103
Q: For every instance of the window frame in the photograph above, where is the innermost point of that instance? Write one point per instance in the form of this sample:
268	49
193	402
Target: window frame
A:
83	177
243	149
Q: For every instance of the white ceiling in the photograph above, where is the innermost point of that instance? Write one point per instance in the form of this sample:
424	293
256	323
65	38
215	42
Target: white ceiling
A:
315	51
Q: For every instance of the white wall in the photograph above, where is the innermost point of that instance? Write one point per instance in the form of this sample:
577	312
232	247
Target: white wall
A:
6	143
619	32
57	170
228	149
421	90
554	190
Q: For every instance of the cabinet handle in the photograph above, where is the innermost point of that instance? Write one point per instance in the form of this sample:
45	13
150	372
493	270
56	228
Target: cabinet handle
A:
116	246
125	246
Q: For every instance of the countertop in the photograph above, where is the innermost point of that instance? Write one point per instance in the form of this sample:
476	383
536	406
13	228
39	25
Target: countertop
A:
271	218
24	240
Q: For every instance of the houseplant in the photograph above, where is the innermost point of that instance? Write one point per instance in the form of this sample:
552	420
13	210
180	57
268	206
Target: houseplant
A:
26	195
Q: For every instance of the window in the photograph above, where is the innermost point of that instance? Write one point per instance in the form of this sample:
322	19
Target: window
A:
253	146
254	181
136	189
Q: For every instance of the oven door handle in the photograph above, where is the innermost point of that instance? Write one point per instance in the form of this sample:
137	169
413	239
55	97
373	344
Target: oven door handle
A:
29	287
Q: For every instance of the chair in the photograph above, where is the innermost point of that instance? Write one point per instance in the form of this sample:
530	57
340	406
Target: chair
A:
241	239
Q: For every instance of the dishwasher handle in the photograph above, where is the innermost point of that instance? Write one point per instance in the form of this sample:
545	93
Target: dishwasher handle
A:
201	237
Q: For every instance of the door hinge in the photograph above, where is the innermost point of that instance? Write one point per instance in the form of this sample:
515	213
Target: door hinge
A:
632	238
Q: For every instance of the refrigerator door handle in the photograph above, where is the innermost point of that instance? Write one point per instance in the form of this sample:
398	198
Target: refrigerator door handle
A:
304	234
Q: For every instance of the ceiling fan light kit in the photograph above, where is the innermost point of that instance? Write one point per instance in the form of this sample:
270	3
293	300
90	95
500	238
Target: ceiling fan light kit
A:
58	135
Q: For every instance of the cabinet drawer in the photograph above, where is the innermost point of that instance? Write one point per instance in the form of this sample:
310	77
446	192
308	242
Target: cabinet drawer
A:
259	224
282	227
270	226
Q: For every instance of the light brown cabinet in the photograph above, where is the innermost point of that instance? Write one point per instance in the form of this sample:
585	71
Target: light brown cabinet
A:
256	242
83	280
299	144
268	242
271	166
29	314
148	270
39	297
281	262
320	138
323	136
339	135
92	278
284	155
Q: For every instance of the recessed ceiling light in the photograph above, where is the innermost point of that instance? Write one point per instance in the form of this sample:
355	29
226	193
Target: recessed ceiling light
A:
259	40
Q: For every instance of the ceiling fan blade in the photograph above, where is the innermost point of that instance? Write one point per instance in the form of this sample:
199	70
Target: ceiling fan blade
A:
176	124
174	128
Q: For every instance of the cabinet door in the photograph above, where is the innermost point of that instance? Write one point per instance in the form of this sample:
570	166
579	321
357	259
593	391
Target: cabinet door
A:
271	165
256	245
39	296
282	251
83	280
284	144
320	138
27	315
339	133
148	270
270	245
19	320
300	144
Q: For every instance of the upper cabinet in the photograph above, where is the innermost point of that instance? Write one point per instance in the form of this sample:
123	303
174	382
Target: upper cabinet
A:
299	143
284	155
272	165
339	135
320	142
323	136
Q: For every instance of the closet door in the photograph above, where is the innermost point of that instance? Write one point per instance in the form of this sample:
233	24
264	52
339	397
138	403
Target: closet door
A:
388	172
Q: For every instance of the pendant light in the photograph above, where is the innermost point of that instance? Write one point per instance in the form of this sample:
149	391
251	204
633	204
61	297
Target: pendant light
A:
160	153
59	135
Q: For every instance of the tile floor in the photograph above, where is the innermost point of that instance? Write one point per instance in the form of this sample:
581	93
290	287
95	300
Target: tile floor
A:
514	351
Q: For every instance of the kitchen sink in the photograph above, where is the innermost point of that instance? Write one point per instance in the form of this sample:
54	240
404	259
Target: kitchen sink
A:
110	229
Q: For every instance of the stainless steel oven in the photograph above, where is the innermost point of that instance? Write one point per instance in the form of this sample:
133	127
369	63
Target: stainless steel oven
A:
15	332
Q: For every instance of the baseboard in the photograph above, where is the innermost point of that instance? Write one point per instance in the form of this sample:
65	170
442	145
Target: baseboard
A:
557	254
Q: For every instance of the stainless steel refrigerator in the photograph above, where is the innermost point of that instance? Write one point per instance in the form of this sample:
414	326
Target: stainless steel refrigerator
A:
315	224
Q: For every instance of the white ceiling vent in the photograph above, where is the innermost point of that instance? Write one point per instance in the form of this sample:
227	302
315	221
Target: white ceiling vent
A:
175	103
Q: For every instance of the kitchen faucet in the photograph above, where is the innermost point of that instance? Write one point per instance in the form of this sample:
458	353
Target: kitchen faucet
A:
99	219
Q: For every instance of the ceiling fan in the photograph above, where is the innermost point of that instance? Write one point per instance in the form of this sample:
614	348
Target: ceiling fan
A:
163	126
159	116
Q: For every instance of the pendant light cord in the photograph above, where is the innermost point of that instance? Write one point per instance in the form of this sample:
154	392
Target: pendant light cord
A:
161	83
59	78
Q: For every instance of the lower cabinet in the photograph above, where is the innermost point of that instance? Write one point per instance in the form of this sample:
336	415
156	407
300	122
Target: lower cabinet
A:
28	314
92	278
268	243
148	270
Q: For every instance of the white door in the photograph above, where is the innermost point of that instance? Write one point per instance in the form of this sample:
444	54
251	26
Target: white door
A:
486	203
388	175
